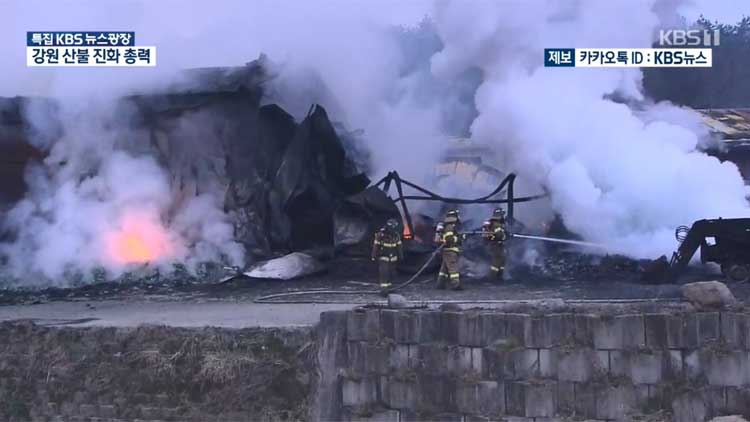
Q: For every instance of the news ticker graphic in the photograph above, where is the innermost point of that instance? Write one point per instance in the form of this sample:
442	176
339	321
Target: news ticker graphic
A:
628	57
104	49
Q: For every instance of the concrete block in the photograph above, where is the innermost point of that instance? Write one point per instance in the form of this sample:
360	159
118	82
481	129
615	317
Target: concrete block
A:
541	400
518	328
642	395
399	394
356	357
646	367
672	368
405	328
525	363
545	332
414	327
363	324
584	328
619	363
428	326
708	327
388	324
400	359
616	403
531	399
477	362
734	329
491	397
602	359
431	358
467	398
470	329
436	394
365	358
689	407
548	363
449	322
738	400
354	392
577	365
496	364
657	336
619	332
727	369
458	360
586	400
566	398
493	327
715	399
692	365
481	398
682	331
633	331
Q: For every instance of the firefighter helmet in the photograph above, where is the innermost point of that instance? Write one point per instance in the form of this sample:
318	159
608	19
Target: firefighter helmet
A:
498	214
391	223
452	216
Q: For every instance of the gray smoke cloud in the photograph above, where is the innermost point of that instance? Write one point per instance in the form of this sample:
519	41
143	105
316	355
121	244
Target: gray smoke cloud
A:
617	173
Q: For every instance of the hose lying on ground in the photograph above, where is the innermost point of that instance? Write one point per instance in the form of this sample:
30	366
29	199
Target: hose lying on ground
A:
269	298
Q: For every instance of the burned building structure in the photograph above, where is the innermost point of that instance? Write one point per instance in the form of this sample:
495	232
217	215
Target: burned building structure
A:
288	185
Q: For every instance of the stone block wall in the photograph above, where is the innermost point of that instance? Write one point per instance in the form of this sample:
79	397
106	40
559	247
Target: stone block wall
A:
481	365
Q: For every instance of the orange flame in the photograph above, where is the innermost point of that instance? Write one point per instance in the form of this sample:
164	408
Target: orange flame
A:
407	232
138	240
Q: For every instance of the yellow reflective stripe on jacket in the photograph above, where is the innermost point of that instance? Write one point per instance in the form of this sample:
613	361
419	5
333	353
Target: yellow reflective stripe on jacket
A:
388	258
390	245
453	249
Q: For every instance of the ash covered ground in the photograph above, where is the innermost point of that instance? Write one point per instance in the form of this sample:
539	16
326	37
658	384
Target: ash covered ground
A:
562	274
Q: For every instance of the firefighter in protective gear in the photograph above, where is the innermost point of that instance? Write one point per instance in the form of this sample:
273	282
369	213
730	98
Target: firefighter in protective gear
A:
449	237
387	250
494	232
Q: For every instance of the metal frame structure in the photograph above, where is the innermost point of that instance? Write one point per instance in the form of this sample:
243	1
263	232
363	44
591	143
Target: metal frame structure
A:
508	181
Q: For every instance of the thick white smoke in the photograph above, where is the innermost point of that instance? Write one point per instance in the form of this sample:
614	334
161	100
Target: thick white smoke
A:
621	174
618	175
97	202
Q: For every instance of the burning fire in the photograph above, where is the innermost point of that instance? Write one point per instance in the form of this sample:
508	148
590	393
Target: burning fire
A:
407	232
138	240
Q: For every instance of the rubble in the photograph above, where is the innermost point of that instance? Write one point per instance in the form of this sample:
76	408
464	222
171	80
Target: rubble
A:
359	215
707	295
571	265
294	265
397	301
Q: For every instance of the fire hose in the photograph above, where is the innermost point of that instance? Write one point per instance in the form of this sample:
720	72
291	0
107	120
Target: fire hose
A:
383	292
